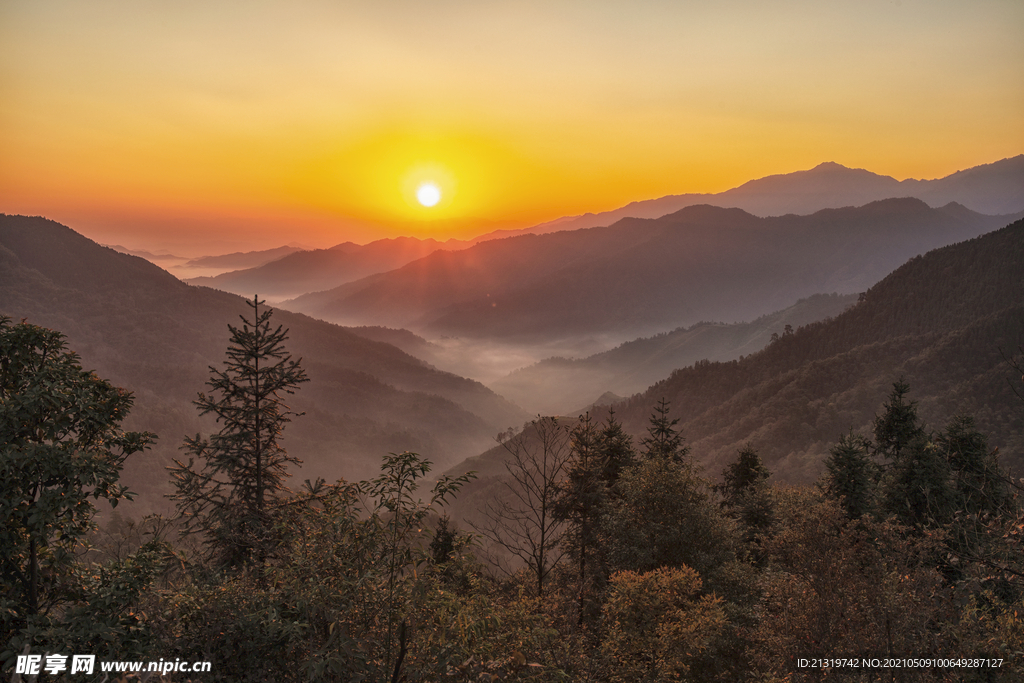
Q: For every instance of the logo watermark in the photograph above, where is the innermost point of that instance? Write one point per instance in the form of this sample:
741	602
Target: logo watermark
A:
53	664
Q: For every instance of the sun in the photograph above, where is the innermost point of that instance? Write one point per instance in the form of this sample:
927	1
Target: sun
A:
428	194
428	190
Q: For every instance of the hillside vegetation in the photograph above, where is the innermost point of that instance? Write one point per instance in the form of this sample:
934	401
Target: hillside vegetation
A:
554	385
146	331
946	322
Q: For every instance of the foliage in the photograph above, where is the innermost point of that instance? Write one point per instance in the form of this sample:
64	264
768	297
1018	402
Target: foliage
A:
240	477
663	440
898	427
402	526
367	582
617	453
107	618
61	447
668	518
102	614
351	595
979	483
851	476
746	496
658	623
522	522
582	500
748	471
833	585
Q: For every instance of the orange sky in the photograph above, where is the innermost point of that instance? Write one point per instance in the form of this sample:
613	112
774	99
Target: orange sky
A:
212	126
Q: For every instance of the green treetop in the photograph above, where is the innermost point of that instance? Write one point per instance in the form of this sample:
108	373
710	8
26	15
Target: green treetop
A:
61	447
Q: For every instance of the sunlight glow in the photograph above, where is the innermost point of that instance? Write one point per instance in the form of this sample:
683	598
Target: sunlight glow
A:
428	194
358	106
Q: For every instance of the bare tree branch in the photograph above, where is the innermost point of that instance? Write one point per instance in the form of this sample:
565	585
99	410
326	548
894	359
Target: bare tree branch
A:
521	521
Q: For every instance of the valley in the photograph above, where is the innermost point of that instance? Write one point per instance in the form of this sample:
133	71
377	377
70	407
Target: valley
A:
550	323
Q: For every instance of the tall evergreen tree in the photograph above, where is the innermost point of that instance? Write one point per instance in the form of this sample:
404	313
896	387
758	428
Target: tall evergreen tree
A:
663	440
745	493
240	476
916	485
747	471
666	516
616	452
980	483
581	502
897	427
851	475
979	488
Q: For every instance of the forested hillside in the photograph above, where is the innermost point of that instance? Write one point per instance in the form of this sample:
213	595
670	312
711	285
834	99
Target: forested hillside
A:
596	555
144	330
555	385
599	557
946	322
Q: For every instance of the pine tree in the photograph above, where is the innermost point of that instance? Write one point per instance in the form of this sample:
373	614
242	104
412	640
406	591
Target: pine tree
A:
851	475
898	426
617	452
746	495
230	493
916	486
663	439
747	471
981	484
581	502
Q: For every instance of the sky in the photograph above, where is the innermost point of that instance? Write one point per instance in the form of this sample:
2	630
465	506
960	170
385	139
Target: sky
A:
212	126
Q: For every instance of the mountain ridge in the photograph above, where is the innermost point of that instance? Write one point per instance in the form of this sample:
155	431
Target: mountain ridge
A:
320	269
945	322
143	329
991	189
996	188
646	275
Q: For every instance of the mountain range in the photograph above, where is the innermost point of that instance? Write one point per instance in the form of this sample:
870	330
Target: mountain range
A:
993	189
242	259
144	330
946	322
643	276
554	385
319	269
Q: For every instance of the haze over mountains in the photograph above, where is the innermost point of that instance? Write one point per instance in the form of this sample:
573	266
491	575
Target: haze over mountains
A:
556	386
484	309
946	322
144	330
320	269
993	189
643	276
207	266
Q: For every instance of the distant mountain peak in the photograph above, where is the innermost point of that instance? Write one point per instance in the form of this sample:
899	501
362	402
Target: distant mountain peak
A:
830	165
991	189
